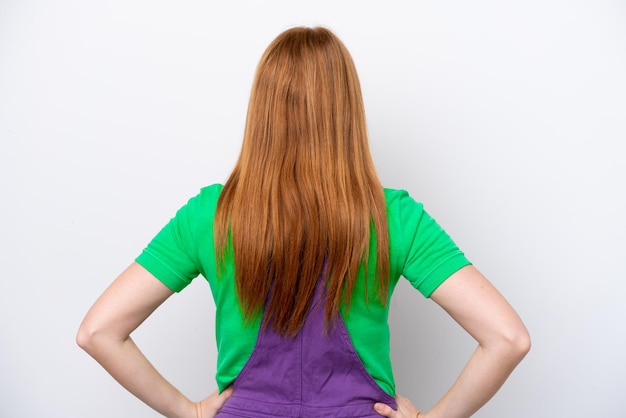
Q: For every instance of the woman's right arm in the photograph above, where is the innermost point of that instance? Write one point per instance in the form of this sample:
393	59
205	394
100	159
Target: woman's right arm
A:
502	338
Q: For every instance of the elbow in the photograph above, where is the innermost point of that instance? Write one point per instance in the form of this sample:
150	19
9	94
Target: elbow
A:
90	338
509	343
84	338
97	339
522	344
516	343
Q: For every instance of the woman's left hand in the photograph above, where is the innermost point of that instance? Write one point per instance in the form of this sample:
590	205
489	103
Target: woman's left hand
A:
210	406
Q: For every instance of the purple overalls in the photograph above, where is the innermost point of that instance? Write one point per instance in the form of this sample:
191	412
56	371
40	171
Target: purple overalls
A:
310	375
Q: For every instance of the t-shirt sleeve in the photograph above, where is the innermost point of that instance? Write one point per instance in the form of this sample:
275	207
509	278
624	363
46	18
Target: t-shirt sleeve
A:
170	256
431	255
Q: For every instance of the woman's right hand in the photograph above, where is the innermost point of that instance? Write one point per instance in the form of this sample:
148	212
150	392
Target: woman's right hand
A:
406	409
210	406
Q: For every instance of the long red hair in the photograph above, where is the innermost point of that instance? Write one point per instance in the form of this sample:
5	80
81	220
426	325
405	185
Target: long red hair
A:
304	192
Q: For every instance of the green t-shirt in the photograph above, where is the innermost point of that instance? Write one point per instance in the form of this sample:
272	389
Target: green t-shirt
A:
420	250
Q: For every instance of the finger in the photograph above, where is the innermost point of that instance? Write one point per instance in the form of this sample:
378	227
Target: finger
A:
227	392
211	405
384	410
223	397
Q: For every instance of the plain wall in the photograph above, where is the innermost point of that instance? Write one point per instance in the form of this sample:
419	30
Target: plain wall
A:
505	118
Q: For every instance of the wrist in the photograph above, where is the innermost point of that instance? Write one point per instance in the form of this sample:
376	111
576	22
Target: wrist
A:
187	409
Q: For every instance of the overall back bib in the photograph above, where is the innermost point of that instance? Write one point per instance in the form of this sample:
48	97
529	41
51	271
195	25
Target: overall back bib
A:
311	375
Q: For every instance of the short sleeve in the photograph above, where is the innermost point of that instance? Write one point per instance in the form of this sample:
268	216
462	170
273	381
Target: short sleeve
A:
431	255
170	254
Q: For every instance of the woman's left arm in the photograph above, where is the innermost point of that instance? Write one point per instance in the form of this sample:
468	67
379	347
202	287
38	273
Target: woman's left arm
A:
105	335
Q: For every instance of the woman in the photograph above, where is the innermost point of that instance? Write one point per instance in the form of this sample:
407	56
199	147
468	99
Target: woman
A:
302	248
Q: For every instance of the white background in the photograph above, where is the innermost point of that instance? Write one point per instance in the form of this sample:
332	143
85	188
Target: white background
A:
505	118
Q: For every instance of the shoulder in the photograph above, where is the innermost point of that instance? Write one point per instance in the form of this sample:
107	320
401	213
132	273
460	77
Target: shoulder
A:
207	198
400	204
210	193
201	207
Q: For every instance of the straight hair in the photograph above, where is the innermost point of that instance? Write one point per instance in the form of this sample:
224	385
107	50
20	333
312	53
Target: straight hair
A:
304	199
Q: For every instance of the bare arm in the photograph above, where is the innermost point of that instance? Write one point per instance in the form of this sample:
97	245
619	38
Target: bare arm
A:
105	335
503	341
